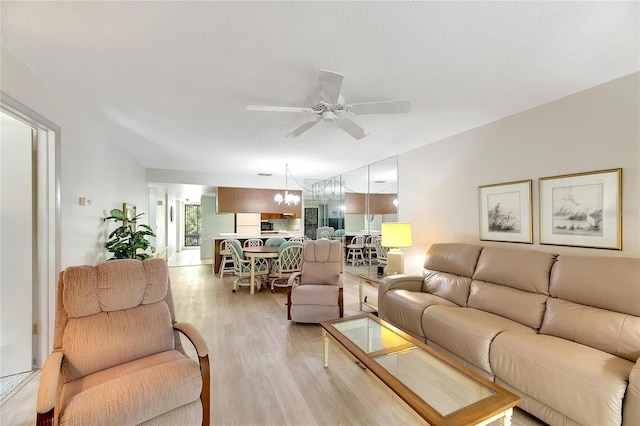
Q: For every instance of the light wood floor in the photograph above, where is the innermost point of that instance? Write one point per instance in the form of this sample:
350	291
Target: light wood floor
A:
266	370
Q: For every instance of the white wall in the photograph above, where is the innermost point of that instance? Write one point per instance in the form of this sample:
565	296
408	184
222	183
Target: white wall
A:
596	129
212	224
93	165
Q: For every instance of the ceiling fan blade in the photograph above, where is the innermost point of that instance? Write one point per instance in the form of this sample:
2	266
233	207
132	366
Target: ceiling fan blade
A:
330	86
384	107
300	130
352	128
278	108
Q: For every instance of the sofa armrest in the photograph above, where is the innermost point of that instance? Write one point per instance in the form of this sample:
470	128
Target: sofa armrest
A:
194	337
399	281
48	388
631	405
199	343
294	279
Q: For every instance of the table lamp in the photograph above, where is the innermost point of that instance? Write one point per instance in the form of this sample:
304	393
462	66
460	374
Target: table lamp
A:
394	236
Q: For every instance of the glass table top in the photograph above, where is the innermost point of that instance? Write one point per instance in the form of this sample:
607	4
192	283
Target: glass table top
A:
441	386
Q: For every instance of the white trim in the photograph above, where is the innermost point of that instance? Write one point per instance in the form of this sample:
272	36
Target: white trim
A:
49	242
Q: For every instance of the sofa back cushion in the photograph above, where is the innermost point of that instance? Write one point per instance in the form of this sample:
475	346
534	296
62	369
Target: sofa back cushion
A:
596	302
115	312
448	268
611	283
512	283
322	262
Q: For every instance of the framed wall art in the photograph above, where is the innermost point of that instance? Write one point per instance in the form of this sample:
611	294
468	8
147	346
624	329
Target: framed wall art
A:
506	212
582	210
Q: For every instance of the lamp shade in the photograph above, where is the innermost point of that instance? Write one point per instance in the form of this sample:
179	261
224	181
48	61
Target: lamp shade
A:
396	234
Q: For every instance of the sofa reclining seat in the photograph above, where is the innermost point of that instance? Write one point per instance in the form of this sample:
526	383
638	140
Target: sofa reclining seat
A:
117	356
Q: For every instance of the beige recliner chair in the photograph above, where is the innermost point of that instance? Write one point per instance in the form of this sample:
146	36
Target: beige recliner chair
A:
315	293
117	356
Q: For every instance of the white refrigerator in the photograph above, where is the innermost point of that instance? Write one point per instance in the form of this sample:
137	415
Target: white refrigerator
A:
248	224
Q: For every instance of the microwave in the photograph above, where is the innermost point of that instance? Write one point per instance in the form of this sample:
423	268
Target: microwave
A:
266	226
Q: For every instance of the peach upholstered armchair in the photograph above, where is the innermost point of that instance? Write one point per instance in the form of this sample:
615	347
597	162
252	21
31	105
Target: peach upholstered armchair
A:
117	356
315	293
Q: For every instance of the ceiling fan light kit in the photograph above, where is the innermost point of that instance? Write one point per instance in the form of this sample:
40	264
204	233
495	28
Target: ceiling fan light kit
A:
333	108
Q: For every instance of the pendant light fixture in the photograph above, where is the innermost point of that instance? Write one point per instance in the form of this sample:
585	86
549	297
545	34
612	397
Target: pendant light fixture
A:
288	199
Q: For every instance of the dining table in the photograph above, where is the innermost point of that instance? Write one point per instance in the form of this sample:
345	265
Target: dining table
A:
259	252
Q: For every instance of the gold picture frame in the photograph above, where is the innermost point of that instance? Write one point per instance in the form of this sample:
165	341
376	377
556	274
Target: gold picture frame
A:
582	210
506	213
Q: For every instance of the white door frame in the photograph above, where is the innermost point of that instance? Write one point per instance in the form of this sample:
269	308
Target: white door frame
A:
48	221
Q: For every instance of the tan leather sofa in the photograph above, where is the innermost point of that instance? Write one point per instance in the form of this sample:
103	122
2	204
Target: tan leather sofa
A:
562	332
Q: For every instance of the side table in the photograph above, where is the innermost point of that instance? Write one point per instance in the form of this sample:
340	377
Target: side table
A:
372	279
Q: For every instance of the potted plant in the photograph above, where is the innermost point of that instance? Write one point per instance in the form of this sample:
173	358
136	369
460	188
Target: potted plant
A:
126	240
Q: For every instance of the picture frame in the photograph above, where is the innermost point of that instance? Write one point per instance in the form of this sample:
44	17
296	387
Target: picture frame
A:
506	213
582	210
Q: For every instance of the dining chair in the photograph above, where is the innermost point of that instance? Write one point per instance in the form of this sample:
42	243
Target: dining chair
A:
369	249
355	250
253	242
274	241
242	267
325	235
226	263
296	240
381	251
287	262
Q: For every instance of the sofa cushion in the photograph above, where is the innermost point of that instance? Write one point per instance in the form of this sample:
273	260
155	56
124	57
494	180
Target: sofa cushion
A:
457	259
448	286
314	314
467	332
512	283
310	294
585	384
112	286
100	341
527	270
517	305
190	414
322	262
612	332
602	282
133	392
537	408
404	308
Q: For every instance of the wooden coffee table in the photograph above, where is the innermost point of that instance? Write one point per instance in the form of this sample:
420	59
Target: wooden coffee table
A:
440	391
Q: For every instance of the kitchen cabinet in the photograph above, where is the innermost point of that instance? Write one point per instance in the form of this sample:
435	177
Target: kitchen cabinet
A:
268	216
254	200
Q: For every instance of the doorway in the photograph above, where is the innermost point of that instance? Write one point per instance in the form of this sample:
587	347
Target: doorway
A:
17	190
39	232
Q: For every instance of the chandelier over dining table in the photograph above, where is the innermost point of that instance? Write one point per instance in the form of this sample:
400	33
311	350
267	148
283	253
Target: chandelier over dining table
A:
288	198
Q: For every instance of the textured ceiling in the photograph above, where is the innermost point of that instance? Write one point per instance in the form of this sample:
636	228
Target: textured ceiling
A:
170	81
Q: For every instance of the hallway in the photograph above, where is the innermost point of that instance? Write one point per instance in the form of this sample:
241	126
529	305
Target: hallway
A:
188	257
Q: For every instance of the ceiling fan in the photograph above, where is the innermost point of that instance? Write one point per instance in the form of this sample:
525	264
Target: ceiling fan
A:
332	107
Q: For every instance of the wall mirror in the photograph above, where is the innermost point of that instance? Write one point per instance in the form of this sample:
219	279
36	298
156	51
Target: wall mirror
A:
354	203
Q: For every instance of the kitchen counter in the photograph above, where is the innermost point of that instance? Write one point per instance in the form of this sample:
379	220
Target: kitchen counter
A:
264	235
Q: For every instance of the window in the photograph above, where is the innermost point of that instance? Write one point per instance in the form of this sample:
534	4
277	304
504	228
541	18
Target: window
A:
192	225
